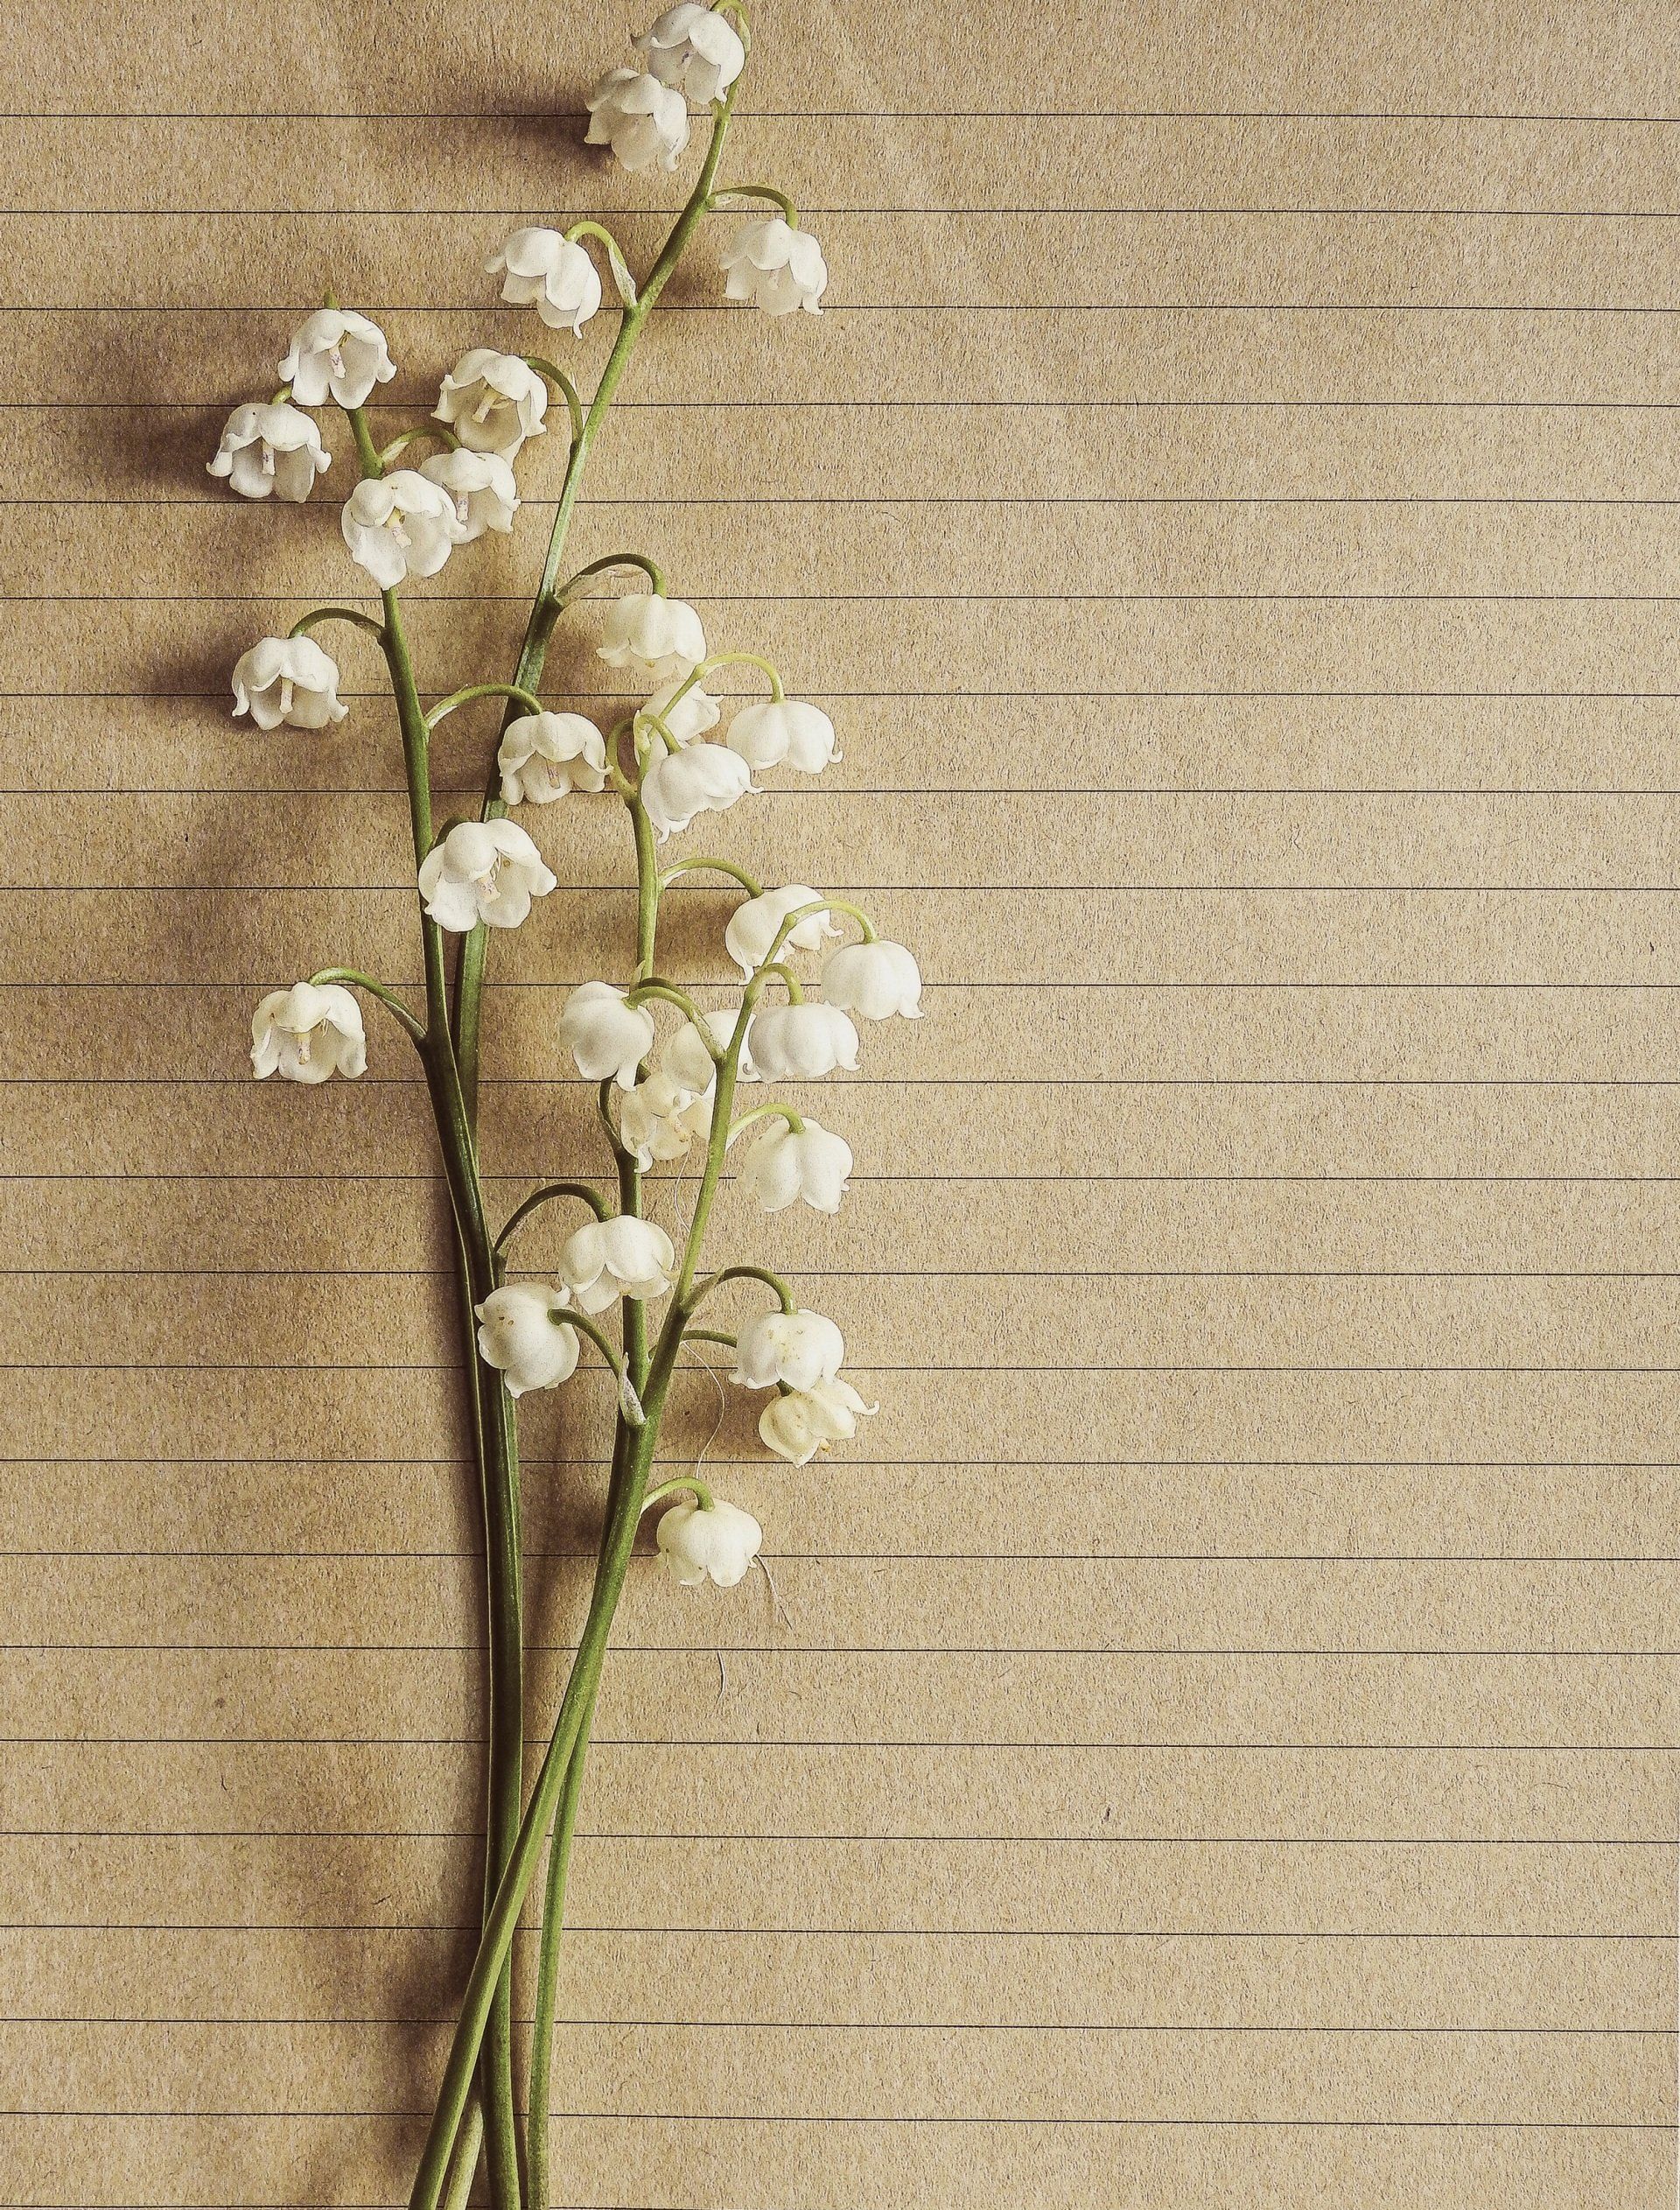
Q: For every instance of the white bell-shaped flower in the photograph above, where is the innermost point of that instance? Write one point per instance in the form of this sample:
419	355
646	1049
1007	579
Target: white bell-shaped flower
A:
690	1064
493	402
715	1542
754	926
875	980
643	120
796	1427
520	1335
799	1348
803	1043
544	755
696	50
481	486
695	712
336	354
308	1032
485	871
776	267
786	1164
622	1257
658	637
658	1121
702	778
607	1036
540	269
399	525
783	730
270	451
289	680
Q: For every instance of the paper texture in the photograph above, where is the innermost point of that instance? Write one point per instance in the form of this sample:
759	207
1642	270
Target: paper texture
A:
1215	1743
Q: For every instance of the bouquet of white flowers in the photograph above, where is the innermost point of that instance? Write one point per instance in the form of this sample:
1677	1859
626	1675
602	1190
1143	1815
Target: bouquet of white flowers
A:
667	762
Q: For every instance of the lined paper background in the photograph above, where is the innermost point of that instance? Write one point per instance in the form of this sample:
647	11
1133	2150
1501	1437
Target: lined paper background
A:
1215	1743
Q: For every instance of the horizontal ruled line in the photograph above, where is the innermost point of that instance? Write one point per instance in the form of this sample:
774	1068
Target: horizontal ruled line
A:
868	1841
883	2025
322	1928
757	1744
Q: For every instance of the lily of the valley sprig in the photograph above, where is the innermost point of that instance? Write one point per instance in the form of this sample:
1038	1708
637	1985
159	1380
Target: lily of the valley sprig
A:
679	1085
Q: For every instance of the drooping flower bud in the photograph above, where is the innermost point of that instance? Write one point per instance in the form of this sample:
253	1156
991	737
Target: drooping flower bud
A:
875	980
624	1256
643	120
803	1043
786	1164
308	1032
518	1334
289	680
607	1037
552	273
776	267
696	50
336	354
699	1542
485	871
270	451
493	401
797	1427
544	755
799	1348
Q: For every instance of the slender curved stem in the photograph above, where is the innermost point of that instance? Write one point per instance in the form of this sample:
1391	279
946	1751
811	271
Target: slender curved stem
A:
711	1335
655	575
785	975
727	660
804	913
767	192
495	1432
768	1112
446	706
547	1194
616	261
580	1323
749	883
386	998
654	987
789	1302
337	613
682	1481
563	384
437	430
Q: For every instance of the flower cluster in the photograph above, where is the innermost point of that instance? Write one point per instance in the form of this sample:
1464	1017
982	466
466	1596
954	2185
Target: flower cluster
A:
681	1084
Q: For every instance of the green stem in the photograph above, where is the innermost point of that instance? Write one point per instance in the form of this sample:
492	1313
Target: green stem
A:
547	1194
548	1966
336	613
654	987
563	384
386	998
574	583
464	2162
528	675
496	1434
435	431
749	883
789	1302
683	1480
634	1455
446	706
767	192
768	1112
